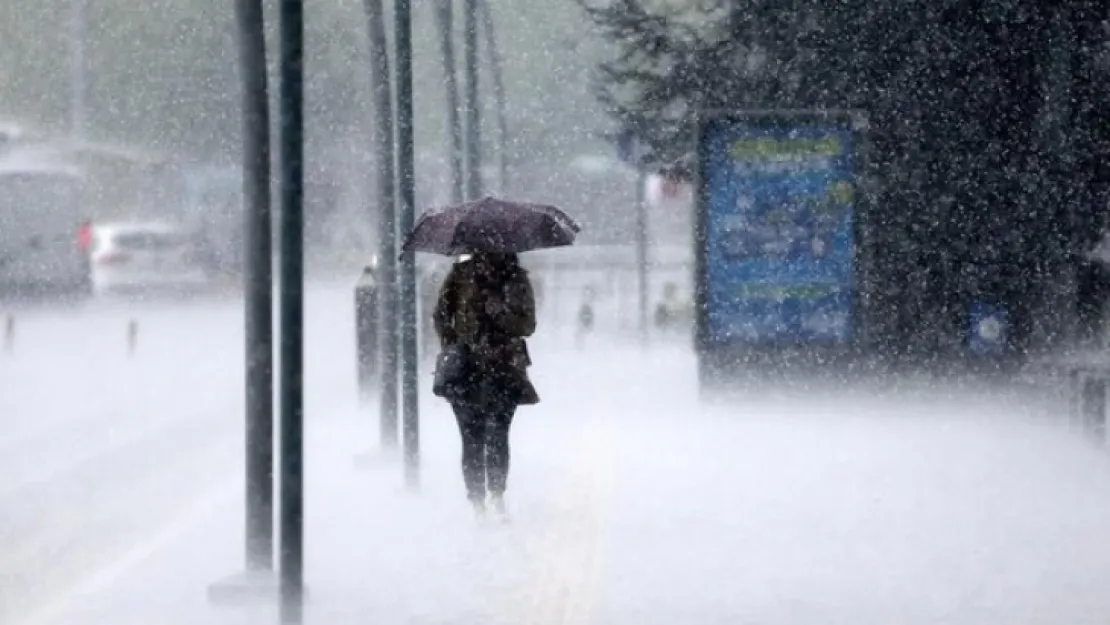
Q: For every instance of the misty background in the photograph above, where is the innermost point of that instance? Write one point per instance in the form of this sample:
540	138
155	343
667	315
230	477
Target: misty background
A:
639	495
162	80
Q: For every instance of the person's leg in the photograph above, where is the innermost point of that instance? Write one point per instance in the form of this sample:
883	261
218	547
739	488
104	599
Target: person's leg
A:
499	421
472	429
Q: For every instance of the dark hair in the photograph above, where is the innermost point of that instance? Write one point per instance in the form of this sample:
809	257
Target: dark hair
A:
499	269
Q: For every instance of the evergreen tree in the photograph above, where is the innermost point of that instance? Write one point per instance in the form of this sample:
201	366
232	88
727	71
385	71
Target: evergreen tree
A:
986	129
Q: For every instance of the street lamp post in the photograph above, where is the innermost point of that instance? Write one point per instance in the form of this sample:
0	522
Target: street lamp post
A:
291	112
258	286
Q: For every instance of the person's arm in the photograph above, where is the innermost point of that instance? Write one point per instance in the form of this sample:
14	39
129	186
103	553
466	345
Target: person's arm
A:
519	319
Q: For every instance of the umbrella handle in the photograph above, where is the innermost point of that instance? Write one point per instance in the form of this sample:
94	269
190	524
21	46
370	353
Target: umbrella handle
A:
405	245
408	237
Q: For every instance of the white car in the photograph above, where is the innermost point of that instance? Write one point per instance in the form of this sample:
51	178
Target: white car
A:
140	257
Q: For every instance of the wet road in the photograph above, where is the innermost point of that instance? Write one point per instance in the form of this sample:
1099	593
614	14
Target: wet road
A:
120	491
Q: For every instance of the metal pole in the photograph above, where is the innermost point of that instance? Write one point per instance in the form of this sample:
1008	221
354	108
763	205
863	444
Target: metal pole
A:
258	285
387	221
292	310
407	195
445	20
78	76
470	101
641	251
496	66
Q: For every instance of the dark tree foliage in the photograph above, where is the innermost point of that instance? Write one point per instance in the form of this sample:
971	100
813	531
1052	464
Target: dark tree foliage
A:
989	129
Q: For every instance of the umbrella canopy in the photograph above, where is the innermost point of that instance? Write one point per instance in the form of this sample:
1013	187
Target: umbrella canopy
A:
491	225
1100	253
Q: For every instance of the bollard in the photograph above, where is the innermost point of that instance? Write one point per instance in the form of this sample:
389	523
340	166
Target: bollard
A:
586	315
1075	416
663	317
132	336
585	322
9	333
366	331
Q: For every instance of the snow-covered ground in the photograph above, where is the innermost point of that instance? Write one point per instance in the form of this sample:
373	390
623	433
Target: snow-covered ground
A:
121	484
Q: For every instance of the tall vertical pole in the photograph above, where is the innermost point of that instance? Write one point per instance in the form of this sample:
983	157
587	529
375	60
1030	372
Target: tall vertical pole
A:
641	251
471	101
258	286
78	82
406	179
445	20
387	221
292	310
496	69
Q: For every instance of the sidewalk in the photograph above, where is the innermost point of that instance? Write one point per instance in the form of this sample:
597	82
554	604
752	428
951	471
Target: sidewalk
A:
633	505
373	553
377	553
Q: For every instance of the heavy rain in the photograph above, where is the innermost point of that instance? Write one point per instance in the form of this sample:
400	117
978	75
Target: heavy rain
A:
580	311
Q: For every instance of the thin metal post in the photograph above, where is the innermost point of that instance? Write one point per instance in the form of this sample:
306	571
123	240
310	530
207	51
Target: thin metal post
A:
387	222
445	20
641	252
258	285
292	310
78	68
496	69
406	209
471	102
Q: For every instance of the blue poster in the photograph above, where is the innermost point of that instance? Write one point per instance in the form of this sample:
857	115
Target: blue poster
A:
779	202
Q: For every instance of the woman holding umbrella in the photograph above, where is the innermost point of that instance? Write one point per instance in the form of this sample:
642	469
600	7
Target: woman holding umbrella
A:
485	311
487	304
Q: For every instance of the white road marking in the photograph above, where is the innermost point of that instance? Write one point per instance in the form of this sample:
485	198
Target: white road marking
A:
107	576
564	587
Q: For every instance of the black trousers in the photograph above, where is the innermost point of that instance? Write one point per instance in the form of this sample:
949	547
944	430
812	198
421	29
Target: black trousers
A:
484	427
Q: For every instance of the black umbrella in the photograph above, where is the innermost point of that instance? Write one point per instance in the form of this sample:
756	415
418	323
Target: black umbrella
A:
491	225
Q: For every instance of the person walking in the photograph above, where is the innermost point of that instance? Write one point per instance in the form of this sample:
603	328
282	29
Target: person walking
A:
486	305
485	311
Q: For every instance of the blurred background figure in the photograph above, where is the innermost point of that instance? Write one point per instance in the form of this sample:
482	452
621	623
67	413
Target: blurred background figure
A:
672	312
586	315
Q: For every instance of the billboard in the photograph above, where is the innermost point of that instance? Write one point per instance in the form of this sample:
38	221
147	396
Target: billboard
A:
777	202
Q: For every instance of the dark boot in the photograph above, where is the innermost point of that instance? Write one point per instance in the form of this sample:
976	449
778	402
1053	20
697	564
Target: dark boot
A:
497	457
472	431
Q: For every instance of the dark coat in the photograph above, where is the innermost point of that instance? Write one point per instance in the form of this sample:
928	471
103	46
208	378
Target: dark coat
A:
492	315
